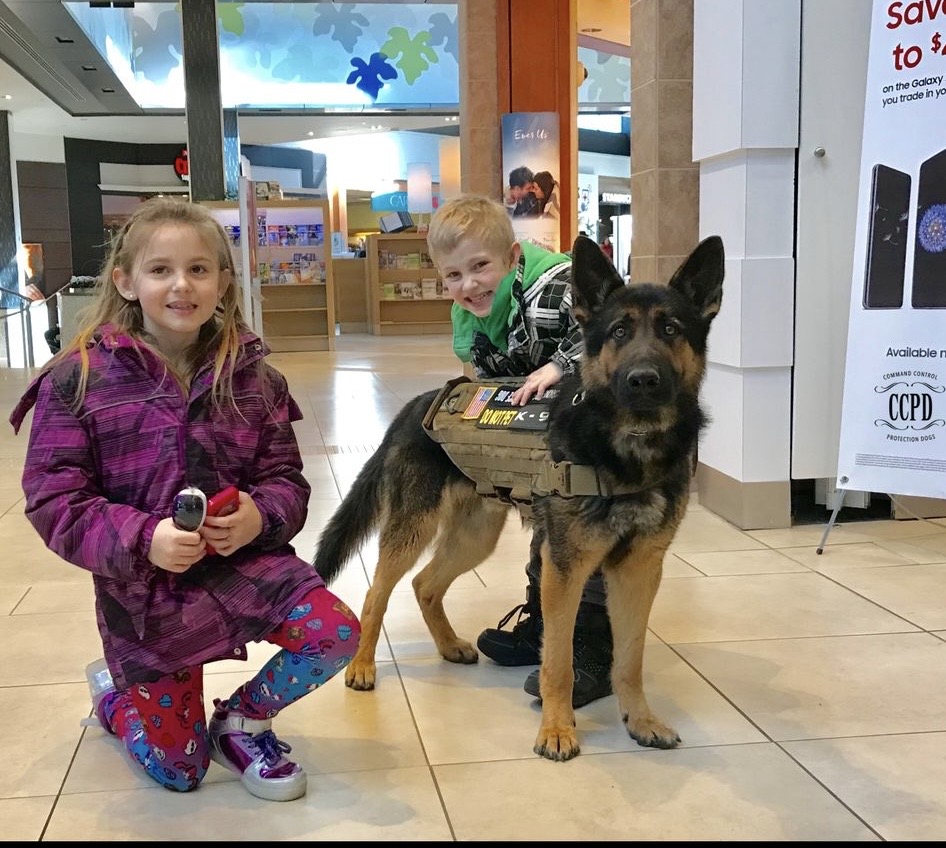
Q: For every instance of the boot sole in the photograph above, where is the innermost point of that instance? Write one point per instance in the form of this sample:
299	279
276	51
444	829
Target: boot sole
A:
287	791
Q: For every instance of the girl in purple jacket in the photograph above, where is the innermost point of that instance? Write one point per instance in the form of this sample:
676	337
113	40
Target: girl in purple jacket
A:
163	388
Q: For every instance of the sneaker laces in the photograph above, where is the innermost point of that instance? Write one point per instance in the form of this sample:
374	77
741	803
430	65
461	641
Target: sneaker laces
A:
521	608
530	608
270	747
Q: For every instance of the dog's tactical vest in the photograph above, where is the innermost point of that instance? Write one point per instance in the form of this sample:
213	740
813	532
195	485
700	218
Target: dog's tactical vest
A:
504	448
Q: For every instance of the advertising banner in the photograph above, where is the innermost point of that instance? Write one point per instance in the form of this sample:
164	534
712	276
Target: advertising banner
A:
893	424
531	192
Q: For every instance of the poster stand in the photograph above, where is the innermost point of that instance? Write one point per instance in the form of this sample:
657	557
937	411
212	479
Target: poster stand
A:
838	503
893	421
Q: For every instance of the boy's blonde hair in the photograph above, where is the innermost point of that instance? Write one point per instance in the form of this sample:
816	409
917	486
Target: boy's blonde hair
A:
470	216
220	334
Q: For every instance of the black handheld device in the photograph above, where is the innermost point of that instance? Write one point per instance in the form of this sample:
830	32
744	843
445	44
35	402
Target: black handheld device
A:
189	509
887	238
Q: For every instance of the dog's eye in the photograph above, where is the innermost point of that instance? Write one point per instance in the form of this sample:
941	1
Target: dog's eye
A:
619	333
670	329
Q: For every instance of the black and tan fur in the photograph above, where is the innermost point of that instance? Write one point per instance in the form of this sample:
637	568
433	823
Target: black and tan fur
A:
634	414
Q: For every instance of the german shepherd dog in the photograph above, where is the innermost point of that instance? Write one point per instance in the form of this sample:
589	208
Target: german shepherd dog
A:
633	413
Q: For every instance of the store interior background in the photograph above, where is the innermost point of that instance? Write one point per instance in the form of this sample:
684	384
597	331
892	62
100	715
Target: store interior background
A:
364	154
43	77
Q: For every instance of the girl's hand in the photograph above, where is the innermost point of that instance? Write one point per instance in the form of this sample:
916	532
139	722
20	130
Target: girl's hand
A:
228	533
536	383
173	549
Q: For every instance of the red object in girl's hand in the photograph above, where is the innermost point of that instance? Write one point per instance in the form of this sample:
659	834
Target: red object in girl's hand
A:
223	503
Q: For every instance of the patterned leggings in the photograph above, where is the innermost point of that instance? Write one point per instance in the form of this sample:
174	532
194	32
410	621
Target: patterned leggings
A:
163	724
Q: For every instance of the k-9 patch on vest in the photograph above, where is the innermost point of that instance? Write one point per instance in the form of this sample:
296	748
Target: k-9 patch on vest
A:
500	413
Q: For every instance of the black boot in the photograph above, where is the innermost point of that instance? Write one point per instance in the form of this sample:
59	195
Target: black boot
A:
519	646
593	649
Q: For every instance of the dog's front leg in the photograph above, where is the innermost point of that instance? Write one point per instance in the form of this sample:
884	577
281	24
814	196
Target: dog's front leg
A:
361	672
560	591
632	587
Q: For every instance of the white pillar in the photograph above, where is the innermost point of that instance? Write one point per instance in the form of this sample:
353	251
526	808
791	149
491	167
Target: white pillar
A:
745	132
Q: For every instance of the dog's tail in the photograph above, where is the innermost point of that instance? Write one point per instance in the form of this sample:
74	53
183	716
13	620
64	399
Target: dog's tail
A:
352	522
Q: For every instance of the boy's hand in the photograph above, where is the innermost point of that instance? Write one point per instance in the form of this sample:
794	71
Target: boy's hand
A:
173	549
536	384
229	533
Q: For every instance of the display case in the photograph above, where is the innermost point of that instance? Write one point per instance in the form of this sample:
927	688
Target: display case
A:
292	267
405	293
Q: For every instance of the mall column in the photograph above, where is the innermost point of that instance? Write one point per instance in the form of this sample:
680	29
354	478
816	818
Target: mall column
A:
520	79
203	101
8	241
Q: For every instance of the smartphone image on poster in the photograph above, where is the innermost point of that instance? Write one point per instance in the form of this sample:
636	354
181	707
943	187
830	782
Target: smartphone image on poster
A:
887	238
929	249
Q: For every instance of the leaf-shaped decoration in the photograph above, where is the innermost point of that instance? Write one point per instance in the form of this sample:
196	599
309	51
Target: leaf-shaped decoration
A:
368	76
443	31
345	25
416	55
230	16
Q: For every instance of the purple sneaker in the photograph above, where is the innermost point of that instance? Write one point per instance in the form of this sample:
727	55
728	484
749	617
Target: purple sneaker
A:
249	747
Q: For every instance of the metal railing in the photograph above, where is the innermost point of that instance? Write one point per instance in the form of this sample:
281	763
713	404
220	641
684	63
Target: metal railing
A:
20	311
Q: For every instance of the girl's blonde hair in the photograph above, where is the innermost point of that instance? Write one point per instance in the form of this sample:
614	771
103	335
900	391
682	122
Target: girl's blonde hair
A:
220	334
470	216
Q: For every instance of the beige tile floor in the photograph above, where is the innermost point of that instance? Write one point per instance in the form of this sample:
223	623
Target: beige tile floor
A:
810	691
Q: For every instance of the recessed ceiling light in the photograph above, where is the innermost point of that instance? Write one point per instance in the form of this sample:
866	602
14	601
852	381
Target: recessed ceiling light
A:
62	40
108	91
89	68
7	96
310	133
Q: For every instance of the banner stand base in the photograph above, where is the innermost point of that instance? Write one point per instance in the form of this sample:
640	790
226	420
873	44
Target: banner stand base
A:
839	502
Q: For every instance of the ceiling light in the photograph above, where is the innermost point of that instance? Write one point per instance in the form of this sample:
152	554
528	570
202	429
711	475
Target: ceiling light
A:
7	96
62	40
89	68
108	91
310	133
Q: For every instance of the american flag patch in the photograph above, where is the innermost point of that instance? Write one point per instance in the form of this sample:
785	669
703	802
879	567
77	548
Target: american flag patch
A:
480	399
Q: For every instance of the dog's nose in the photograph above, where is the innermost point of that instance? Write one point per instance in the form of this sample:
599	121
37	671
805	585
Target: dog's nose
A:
645	380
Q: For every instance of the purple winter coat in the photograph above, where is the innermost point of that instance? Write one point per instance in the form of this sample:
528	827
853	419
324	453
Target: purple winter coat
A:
98	480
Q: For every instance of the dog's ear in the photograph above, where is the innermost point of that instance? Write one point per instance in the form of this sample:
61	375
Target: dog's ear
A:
594	277
700	277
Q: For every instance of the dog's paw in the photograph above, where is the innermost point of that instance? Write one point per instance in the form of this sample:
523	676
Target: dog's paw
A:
557	743
460	651
360	676
651	732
